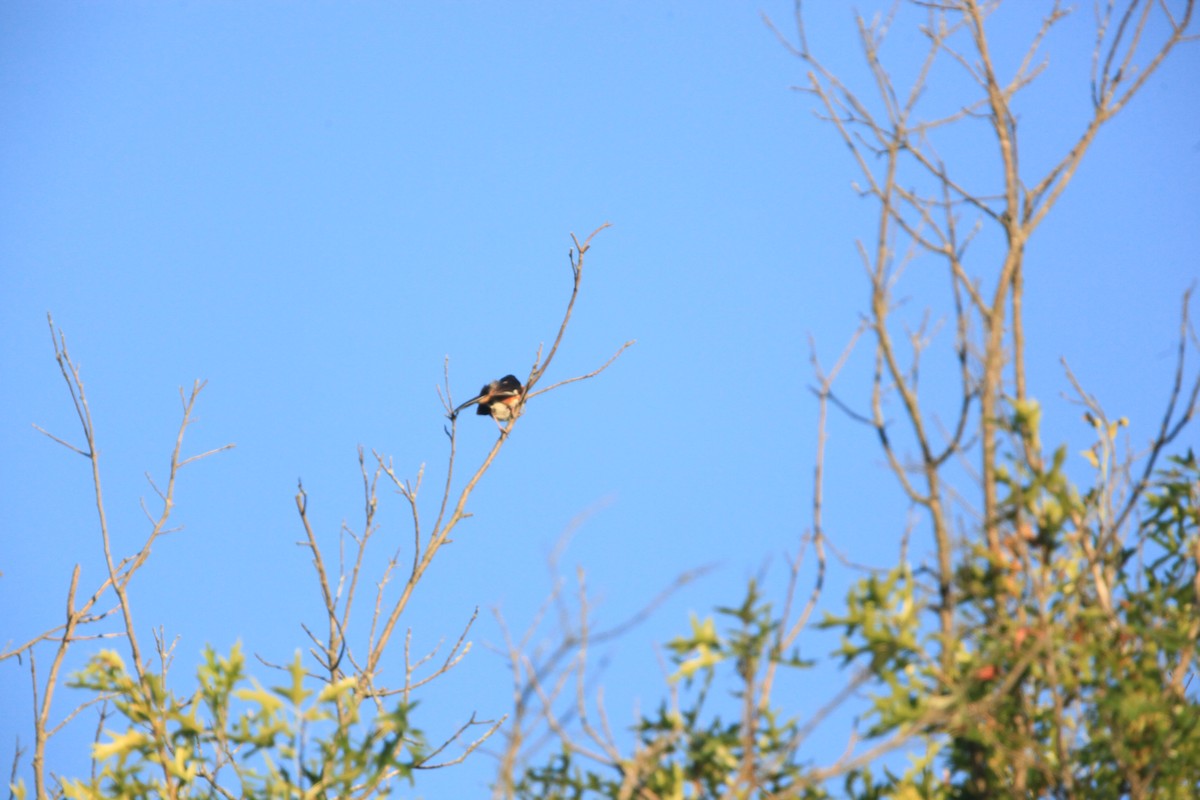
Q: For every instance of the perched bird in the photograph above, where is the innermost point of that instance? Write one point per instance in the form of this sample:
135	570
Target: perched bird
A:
500	400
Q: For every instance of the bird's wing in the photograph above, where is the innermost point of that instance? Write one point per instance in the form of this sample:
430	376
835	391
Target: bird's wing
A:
508	383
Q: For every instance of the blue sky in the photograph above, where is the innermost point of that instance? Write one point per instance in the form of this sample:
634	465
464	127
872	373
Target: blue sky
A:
312	206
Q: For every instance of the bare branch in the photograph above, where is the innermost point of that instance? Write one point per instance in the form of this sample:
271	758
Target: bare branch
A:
591	374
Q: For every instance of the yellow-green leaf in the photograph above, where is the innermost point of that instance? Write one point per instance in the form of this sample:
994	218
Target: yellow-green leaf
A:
337	689
121	744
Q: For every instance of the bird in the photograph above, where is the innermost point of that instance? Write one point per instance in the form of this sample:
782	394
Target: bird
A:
500	400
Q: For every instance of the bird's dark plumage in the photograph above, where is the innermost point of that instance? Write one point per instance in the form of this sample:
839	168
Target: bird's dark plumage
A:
498	399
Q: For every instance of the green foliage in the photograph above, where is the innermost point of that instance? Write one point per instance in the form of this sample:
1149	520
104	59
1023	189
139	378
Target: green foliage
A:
233	737
687	750
1069	668
1077	646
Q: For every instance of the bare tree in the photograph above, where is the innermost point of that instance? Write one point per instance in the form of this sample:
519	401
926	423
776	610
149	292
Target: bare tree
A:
1002	663
895	147
335	652
86	614
348	737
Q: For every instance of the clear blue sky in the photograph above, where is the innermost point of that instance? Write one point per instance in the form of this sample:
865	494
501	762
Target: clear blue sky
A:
312	205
